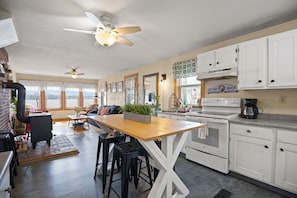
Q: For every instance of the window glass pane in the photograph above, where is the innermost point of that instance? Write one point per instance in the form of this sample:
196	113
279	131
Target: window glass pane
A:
53	97
190	95
33	96
190	90
88	95
72	95
189	81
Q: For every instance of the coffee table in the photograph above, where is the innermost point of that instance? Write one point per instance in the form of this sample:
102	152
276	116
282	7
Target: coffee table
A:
78	121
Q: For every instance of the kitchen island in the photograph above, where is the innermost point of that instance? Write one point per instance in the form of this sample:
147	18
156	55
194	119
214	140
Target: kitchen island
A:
173	134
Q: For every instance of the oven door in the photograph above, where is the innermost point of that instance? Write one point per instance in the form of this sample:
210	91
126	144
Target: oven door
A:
212	139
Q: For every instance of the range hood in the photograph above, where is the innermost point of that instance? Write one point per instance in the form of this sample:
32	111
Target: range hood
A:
8	34
219	73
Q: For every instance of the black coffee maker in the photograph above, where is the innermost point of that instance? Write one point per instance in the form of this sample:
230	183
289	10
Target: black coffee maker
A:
249	109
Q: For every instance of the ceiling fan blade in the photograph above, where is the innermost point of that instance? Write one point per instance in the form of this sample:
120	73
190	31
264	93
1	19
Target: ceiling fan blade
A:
124	41
79	74
127	30
82	31
92	17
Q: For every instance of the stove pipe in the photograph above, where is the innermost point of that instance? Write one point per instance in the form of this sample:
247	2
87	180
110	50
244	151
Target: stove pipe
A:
21	100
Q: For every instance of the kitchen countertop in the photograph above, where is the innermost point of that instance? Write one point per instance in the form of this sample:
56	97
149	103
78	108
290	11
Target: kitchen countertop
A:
269	120
5	159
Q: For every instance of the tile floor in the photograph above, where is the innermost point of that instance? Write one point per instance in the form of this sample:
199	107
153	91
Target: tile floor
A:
73	176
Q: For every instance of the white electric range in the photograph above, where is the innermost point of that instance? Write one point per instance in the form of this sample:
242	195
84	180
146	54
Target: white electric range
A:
209	145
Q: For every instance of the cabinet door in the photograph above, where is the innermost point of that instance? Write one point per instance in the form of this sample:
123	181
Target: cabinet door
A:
282	63
252	64
226	57
251	157
205	61
286	166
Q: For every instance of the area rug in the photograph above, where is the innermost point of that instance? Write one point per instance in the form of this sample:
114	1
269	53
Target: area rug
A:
223	194
61	146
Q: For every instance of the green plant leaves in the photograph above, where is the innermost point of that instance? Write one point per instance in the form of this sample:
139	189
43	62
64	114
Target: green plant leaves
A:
136	108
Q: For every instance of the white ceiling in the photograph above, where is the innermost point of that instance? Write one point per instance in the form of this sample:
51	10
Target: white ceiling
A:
169	28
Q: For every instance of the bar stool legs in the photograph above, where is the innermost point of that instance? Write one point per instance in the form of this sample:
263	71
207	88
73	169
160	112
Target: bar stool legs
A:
105	140
129	153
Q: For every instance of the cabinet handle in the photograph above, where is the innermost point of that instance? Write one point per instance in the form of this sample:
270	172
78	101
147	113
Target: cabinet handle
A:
259	81
9	189
210	64
266	146
248	131
272	81
281	149
218	62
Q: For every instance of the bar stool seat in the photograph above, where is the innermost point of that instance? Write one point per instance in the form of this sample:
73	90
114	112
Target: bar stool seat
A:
105	139
129	153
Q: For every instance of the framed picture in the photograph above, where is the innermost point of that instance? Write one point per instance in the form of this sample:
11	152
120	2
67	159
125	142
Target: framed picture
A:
114	87
120	86
108	87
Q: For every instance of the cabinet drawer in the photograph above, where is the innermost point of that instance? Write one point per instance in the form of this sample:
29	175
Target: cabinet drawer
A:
287	136
251	131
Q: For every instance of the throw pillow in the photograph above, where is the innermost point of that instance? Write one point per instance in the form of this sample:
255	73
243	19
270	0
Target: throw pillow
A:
104	111
99	110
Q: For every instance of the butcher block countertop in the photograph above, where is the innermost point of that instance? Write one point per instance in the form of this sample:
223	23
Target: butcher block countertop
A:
269	120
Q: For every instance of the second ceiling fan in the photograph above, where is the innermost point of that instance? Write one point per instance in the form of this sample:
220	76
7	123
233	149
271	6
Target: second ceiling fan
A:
105	33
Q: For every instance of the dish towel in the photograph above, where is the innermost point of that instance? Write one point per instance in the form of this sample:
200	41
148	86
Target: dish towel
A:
203	132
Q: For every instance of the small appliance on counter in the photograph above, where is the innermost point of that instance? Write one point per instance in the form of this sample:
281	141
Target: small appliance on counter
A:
249	109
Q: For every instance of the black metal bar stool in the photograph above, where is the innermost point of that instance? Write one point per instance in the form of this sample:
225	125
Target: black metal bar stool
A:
129	153
105	139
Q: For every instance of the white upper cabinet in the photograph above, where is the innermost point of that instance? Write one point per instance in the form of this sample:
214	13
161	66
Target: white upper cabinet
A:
226	57
282	60
217	59
252	64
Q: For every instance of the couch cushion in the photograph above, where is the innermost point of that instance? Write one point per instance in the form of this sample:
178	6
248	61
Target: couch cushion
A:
114	109
104	111
99	110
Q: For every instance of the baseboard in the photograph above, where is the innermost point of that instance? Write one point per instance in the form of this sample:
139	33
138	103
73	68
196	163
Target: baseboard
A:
263	185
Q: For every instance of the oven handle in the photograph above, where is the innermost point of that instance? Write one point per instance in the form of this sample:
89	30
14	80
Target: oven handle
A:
196	119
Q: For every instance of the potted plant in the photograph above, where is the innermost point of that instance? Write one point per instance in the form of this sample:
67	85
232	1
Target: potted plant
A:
137	112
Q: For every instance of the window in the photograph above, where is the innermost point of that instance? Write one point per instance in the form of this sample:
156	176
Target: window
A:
88	96
190	90
53	97
33	96
72	97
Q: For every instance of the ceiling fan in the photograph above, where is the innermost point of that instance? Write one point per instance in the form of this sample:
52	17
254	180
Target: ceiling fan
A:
74	73
105	33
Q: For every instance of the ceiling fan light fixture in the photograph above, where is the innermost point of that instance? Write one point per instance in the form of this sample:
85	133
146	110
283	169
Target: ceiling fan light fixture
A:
74	76
106	38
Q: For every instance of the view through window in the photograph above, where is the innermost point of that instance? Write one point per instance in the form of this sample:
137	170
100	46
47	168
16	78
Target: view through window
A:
190	90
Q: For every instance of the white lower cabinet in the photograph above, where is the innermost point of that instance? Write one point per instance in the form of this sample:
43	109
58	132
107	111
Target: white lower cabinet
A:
286	160
265	154
252	151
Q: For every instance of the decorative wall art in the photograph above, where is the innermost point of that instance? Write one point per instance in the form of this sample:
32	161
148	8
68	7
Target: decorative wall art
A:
222	88
120	86
113	87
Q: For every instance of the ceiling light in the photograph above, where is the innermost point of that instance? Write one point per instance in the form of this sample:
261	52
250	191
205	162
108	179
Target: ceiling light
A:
74	76
106	38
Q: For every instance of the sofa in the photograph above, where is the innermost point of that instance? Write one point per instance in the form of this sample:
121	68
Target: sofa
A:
103	110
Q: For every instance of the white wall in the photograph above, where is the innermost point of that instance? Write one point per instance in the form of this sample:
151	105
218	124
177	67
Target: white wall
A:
272	101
